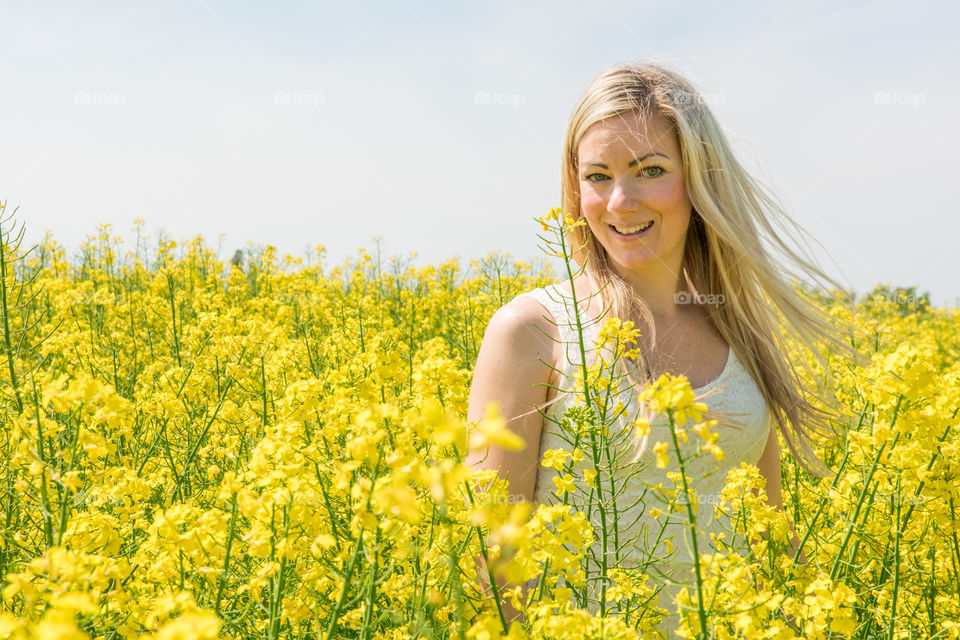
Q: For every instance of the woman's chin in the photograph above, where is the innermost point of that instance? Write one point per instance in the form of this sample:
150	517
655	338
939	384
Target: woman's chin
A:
636	262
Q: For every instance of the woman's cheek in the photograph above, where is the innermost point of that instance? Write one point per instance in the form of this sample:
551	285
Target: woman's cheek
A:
673	190
589	202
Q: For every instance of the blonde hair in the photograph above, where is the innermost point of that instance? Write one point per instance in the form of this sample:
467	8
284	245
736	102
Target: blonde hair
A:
723	254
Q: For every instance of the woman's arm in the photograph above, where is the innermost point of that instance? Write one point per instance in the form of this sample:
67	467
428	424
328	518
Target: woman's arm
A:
511	370
769	467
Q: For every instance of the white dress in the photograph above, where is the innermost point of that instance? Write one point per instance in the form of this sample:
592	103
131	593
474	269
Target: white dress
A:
734	392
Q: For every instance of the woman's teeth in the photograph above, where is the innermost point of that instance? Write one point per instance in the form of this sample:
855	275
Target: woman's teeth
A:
629	230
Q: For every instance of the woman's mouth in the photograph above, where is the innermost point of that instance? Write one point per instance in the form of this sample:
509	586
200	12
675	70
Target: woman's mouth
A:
632	232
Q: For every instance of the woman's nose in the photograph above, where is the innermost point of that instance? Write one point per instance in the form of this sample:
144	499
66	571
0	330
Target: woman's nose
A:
623	196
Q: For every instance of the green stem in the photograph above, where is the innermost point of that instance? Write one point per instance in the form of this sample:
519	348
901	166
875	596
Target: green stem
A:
226	558
6	323
692	522
44	498
486	563
196	445
896	567
825	499
371	594
863	493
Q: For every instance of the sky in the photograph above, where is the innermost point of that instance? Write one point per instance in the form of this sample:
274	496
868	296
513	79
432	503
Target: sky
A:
437	127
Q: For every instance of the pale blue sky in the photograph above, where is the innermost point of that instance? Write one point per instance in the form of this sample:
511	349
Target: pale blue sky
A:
295	124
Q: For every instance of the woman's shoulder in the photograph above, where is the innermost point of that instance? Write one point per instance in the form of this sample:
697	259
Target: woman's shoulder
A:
528	313
543	298
521	335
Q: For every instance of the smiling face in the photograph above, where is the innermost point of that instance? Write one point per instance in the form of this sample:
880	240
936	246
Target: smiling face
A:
631	178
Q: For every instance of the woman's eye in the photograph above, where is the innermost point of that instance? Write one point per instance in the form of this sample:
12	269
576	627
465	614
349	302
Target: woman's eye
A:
646	172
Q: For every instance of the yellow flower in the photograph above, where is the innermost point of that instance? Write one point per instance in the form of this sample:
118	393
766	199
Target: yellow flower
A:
564	484
673	393
74	601
710	438
715	450
553	214
555	459
57	625
440	427
642	425
322	542
398	500
590	475
487	627
199	625
570	223
492	430
844	625
562	594
660	449
11	626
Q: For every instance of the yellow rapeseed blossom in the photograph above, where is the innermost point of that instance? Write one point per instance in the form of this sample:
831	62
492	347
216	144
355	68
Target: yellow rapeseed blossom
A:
191	626
673	394
590	475
555	459
710	438
660	449
492	430
564	483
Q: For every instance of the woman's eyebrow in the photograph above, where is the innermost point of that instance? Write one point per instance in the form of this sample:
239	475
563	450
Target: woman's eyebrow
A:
632	162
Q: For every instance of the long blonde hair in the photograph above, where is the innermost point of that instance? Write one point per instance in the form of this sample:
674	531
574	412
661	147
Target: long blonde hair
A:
723	255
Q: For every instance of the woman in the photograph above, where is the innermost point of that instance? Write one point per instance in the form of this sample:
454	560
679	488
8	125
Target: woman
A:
672	241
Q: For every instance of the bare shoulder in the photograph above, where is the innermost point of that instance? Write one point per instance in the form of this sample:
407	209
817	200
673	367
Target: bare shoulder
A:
525	310
524	327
